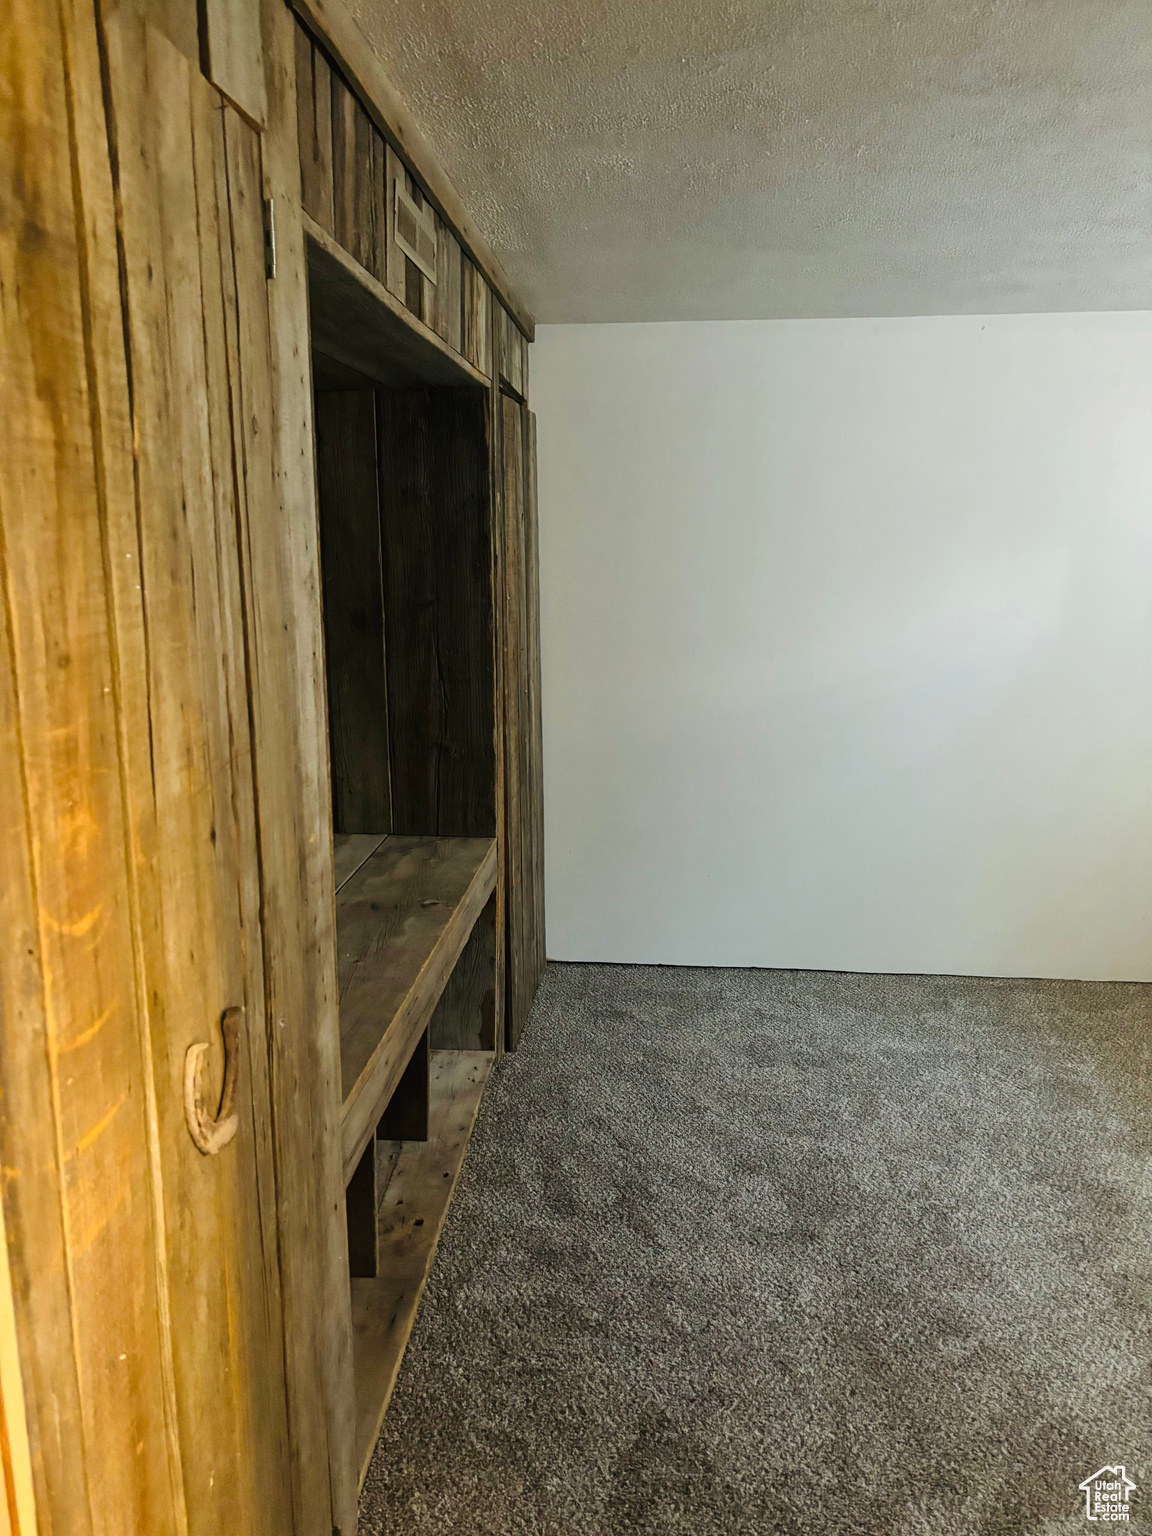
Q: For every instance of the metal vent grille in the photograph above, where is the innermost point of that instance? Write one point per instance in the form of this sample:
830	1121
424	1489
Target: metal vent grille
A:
416	232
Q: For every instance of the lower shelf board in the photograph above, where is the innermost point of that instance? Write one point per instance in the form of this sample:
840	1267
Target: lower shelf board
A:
412	1211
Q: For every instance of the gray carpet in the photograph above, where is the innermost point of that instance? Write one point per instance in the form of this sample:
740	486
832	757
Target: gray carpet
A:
767	1251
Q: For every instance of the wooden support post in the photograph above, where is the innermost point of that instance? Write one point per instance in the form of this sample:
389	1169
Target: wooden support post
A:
406	1118
360	1203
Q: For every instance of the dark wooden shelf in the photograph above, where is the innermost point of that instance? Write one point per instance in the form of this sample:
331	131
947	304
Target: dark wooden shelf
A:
411	1216
405	908
359	323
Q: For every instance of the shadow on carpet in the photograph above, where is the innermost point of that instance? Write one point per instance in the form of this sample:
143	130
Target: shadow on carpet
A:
770	1251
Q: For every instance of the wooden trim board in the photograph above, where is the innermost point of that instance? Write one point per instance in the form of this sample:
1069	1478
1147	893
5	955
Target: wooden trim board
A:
359	323
338	30
412	1212
402	921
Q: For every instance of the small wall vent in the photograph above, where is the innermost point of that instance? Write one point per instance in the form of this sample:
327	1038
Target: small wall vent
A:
416	232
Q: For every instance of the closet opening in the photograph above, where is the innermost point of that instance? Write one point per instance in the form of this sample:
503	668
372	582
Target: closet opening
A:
404	480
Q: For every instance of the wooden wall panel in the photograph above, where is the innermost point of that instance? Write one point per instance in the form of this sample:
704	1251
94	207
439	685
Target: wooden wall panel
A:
184	162
353	610
314	130
523	799
513	353
465	1016
290	751
232	54
436	532
447	313
396	263
476	317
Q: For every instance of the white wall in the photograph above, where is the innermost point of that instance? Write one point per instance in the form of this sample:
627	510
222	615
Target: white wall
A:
847	643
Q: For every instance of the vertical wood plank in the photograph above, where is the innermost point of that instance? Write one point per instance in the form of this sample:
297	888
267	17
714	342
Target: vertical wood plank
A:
79	1199
232	54
448	303
314	128
353	610
465	1016
395	261
188	762
290	747
436	532
378	193
515	716
364	200
477	318
344	176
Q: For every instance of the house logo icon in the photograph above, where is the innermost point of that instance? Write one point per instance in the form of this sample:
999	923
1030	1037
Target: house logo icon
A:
1108	1495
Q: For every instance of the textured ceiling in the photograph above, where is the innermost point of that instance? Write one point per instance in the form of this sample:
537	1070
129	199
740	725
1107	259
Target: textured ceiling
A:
680	159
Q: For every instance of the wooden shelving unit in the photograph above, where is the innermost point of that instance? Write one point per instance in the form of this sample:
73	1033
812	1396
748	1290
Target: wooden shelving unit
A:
415	1202
405	908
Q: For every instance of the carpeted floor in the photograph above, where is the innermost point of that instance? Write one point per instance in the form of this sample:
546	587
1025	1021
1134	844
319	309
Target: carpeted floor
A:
768	1251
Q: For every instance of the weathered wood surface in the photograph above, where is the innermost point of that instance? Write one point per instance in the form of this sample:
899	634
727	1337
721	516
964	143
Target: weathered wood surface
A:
353	610
356	320
188	164
513	353
465	1016
285	644
232	53
476	317
334	25
402	921
314	130
349	174
349	850
413	1208
523	797
75	1127
448	298
436	519
156	462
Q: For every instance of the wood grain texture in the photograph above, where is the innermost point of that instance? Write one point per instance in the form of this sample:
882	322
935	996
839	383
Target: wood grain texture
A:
436	537
476	318
395	261
412	1213
513	353
402	921
279	536
448	300
465	1016
314	130
334	25
79	1208
523	797
358	322
349	850
353	610
232	54
189	164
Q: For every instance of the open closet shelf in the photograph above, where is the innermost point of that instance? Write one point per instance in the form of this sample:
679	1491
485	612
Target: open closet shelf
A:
405	907
357	321
412	1213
